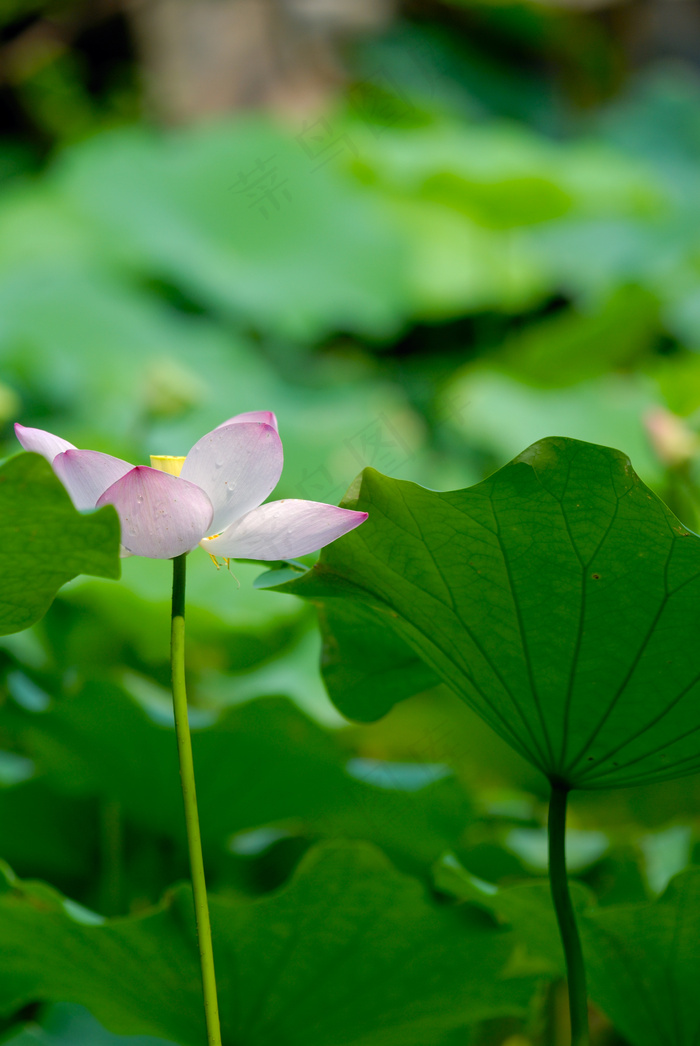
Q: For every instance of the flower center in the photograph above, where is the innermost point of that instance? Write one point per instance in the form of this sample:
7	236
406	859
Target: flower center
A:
167	463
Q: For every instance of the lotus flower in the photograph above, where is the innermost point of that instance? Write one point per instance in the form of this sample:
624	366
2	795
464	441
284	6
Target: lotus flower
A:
213	497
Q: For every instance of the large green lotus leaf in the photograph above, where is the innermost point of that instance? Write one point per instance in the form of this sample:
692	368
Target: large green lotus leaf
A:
115	363
364	677
349	952
499	414
641	959
261	763
456	266
580	344
246	220
526	907
43	833
642	965
560	598
502	176
45	541
65	1024
486	211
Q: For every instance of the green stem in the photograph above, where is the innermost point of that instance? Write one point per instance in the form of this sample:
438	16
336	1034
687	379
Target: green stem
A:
194	841
575	968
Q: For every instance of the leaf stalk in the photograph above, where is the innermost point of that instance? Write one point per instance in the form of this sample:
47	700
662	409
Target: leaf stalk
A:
566	920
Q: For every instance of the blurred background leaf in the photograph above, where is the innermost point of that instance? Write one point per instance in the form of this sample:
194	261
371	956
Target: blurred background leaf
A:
426	234
39	526
348	939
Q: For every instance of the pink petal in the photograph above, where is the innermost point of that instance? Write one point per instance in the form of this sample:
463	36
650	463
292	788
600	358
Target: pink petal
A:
42	442
265	416
237	466
162	516
87	473
284	529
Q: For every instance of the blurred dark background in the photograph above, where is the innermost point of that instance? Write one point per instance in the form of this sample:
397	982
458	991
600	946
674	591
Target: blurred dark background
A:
425	234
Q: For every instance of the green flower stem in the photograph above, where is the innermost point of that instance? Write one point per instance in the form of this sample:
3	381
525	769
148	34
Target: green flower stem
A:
194	841
575	968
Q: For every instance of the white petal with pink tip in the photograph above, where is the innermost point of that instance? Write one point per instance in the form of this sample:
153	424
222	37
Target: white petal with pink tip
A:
161	516
283	529
41	442
237	466
86	474
265	416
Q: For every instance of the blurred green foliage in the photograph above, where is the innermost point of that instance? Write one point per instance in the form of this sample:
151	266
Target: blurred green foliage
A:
490	237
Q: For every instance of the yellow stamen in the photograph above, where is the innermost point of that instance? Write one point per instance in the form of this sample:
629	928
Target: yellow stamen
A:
167	463
215	559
